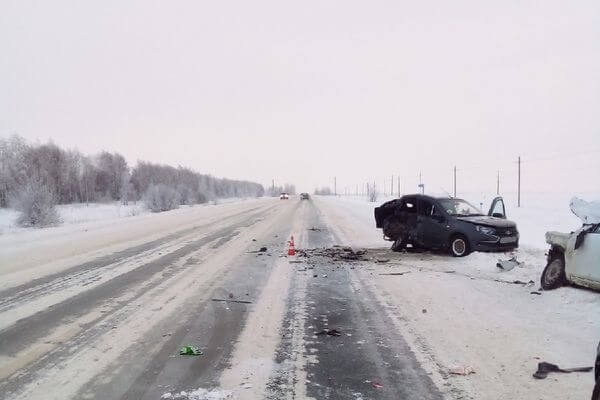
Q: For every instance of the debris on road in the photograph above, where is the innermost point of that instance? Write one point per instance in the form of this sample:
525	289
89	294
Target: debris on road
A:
516	282
544	368
461	370
199	394
507	265
382	260
261	250
233	301
189	350
395	273
315	229
329	332
376	385
424	311
535	292
336	253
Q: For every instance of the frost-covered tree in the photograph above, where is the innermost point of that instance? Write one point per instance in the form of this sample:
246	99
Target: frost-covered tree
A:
37	204
159	198
73	177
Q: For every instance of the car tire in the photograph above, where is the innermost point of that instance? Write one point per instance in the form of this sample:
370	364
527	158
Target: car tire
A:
459	246
398	245
596	392
554	275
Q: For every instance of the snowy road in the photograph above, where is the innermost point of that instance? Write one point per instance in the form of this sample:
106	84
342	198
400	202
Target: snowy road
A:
100	311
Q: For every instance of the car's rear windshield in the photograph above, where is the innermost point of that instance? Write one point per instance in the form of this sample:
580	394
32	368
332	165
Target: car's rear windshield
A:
459	208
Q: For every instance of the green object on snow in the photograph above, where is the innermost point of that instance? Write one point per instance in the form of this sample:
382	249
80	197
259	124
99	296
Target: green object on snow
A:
190	351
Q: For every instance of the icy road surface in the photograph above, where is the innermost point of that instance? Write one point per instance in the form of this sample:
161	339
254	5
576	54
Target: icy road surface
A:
100	310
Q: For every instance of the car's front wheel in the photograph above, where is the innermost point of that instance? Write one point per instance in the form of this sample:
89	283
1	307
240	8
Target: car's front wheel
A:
459	246
554	274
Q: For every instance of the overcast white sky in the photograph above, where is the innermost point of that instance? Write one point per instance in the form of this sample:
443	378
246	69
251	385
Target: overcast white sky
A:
304	91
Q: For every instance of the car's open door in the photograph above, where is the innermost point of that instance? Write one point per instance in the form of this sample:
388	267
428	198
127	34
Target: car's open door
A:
497	208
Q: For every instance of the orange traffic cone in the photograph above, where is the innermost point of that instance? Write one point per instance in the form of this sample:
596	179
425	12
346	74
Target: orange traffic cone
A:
292	248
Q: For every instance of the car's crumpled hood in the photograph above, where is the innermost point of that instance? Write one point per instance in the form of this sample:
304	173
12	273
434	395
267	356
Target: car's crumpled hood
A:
568	241
489	221
587	211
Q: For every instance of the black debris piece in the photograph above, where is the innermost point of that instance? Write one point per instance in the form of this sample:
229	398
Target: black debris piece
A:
329	332
395	273
233	301
544	368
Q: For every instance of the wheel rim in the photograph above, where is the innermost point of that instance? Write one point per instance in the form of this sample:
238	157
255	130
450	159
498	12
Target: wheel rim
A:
459	247
553	273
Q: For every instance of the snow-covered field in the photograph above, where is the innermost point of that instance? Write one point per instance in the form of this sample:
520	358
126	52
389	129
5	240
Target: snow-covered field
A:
467	312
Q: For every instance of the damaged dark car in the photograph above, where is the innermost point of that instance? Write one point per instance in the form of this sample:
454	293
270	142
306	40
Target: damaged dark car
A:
447	224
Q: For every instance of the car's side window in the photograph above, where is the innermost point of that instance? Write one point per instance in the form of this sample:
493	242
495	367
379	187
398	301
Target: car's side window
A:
597	230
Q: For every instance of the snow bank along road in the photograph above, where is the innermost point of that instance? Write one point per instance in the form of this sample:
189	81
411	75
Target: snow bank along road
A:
101	310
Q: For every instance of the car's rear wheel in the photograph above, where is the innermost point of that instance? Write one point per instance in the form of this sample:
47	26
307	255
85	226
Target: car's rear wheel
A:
459	246
554	274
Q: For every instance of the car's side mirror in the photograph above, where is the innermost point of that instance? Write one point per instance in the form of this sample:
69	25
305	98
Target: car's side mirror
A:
498	215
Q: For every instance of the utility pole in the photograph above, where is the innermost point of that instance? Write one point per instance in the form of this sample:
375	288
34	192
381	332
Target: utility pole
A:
273	187
498	184
357	190
519	183
392	186
398	186
334	186
455	181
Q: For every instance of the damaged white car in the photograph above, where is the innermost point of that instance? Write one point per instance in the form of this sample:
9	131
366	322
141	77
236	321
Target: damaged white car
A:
575	257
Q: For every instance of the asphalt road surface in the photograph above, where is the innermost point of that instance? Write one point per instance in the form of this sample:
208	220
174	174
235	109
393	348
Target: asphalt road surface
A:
107	322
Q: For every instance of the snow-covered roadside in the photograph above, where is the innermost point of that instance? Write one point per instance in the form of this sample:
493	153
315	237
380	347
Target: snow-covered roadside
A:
32	253
76	214
455	312
80	213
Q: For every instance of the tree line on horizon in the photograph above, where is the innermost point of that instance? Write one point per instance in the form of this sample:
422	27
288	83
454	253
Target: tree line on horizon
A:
68	176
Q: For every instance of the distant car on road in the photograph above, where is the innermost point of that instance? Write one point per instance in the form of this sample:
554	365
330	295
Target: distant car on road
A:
575	257
284	196
446	224
304	196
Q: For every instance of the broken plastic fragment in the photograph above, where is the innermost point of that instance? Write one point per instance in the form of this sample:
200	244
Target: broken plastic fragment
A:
189	350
